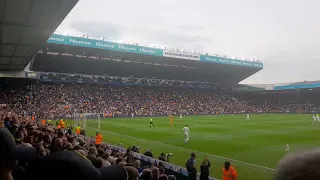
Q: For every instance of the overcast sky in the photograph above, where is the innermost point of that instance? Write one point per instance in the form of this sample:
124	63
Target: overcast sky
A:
284	34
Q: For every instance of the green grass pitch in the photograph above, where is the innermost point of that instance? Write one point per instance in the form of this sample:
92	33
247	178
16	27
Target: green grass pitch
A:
253	146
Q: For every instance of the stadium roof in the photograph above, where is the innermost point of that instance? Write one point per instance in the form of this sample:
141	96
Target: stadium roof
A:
91	61
26	25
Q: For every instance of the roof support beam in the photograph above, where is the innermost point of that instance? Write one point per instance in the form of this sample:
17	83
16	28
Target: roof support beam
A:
21	34
19	26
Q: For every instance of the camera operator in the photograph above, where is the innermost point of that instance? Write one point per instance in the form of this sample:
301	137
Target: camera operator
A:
191	167
165	157
162	157
204	169
135	149
148	153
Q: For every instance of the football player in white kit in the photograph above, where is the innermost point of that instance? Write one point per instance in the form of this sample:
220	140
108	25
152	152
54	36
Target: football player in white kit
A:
314	119
318	118
186	133
132	115
180	117
248	117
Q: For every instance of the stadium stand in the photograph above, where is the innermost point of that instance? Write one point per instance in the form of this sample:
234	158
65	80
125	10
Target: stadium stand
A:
76	74
64	80
23	98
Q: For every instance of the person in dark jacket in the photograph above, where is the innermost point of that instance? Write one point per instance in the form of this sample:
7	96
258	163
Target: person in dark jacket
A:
204	169
191	167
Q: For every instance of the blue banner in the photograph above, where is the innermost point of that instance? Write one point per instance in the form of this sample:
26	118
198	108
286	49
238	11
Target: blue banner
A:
108	45
101	44
298	86
222	60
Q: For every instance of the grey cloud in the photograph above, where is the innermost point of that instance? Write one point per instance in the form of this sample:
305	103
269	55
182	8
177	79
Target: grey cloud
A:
285	40
100	29
172	38
190	27
147	36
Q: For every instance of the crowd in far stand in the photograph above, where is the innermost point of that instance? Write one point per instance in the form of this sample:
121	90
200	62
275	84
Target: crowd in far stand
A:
55	100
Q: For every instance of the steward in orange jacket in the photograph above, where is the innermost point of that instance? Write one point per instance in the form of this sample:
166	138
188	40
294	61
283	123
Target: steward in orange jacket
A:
229	172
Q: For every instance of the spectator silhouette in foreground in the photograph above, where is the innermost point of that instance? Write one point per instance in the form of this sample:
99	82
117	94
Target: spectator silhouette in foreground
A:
191	167
302	165
204	169
10	153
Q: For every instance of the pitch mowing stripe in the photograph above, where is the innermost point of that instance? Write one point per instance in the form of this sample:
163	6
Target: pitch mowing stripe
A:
155	142
236	134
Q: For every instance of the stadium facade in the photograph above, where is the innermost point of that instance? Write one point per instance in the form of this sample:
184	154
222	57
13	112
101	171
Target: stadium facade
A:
81	55
63	55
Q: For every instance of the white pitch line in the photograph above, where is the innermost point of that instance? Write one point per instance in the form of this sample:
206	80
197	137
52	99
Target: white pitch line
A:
155	142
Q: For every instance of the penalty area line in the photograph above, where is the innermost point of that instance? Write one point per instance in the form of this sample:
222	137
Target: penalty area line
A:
221	157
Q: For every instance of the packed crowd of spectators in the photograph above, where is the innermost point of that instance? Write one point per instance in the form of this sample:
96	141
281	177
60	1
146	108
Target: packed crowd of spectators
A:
33	151
64	100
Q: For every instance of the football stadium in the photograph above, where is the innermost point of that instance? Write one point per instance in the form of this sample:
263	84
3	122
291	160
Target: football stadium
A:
136	111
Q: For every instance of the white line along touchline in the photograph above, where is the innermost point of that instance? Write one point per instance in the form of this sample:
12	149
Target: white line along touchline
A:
155	142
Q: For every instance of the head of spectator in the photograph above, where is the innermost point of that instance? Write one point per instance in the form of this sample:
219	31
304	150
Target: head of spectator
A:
155	173
227	165
299	166
60	134
68	146
47	140
100	151
93	153
97	162
58	144
146	174
160	164
113	173
19	137
132	173
71	166
161	170
137	164
41	151
10	153
172	177
105	159
163	177
119	160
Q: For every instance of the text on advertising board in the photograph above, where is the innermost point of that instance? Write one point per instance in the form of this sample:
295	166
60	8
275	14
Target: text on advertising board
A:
138	49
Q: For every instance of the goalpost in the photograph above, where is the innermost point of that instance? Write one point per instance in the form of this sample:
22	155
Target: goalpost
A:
87	120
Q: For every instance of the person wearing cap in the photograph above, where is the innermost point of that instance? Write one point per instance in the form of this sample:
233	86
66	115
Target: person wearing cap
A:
10	153
229	172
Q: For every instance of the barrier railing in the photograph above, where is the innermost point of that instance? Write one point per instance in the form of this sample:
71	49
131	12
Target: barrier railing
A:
172	167
245	170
